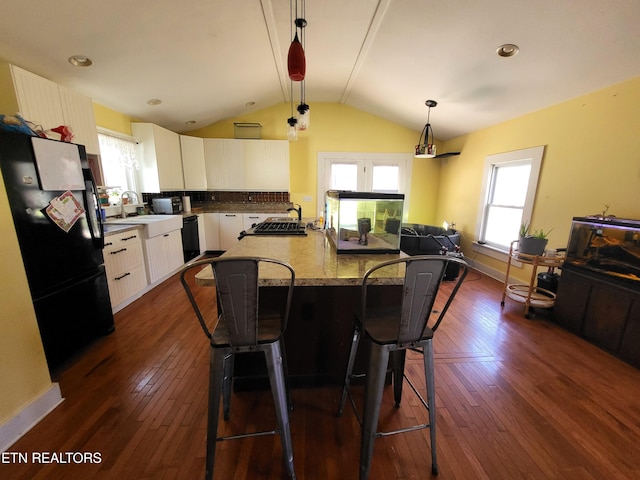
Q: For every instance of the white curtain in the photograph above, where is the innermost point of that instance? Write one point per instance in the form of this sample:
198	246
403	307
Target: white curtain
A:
118	158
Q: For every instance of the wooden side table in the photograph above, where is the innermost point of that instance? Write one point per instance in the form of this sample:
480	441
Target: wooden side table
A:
530	295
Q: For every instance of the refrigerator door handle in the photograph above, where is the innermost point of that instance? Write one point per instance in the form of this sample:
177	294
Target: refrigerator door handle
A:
92	204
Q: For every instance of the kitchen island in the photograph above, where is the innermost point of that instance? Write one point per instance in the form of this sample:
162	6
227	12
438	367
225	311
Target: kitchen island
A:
325	297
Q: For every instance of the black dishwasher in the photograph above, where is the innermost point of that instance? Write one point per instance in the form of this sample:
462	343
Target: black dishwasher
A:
190	240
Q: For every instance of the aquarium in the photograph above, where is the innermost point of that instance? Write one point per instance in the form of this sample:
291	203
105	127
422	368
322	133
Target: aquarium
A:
606	245
364	222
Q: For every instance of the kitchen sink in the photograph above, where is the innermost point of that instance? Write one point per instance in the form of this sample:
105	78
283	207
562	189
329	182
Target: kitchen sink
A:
154	225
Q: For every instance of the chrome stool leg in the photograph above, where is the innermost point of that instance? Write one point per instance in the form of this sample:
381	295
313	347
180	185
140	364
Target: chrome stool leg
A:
352	358
216	372
227	385
397	363
278	389
378	362
431	401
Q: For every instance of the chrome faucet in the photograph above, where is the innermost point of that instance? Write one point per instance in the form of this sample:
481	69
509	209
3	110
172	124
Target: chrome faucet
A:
128	193
297	210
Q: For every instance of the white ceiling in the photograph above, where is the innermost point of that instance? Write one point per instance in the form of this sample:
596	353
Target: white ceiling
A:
207	59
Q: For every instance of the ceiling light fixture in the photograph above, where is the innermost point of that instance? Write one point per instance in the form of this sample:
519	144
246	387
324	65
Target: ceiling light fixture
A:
296	65
154	101
508	50
80	61
426	148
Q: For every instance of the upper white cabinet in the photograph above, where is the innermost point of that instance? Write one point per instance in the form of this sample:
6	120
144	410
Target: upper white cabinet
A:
224	163
266	165
193	165
234	164
158	153
78	113
48	105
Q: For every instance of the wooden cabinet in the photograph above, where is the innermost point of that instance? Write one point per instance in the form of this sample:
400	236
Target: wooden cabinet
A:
160	158
212	231
193	163
163	255
234	164
231	224
605	312
124	265
48	105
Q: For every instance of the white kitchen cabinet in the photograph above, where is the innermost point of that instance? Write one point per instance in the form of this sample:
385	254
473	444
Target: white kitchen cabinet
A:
202	239
250	219
48	105
78	113
266	165
212	231
231	224
159	156
124	265
224	163
193	163
163	255
234	164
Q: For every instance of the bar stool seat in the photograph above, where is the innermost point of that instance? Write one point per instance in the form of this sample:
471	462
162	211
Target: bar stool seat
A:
235	327
389	332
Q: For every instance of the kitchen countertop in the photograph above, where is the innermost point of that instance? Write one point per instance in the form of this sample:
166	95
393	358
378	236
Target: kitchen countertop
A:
112	229
314	259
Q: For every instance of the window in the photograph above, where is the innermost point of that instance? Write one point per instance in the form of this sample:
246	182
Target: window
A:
118	159
364	172
508	192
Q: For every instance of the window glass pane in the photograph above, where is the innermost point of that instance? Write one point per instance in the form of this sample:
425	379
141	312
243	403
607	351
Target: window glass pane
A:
344	176
118	158
503	225
510	185
385	178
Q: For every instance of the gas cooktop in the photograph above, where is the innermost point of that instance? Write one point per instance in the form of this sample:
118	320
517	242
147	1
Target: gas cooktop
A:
278	226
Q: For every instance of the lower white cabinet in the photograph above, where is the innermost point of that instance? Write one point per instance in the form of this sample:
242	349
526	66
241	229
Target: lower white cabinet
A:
202	239
212	231
250	219
231	224
163	254
124	265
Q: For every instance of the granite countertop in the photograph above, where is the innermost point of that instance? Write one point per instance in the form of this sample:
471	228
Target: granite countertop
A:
314	260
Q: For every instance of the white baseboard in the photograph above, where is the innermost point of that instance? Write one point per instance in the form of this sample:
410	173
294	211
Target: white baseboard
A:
28	417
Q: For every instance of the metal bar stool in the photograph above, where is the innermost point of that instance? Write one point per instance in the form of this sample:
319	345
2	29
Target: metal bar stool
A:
242	328
389	333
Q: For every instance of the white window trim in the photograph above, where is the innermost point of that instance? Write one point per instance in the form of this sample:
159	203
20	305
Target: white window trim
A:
534	154
404	160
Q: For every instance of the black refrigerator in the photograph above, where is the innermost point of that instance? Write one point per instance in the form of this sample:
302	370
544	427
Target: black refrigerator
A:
56	214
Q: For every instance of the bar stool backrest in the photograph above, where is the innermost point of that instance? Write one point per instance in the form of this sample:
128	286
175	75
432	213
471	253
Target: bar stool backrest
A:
237	292
422	280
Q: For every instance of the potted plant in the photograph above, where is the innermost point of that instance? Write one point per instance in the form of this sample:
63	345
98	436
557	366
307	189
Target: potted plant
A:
532	242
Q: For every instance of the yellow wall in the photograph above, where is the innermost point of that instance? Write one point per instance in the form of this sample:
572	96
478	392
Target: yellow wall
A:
24	374
339	128
591	160
116	121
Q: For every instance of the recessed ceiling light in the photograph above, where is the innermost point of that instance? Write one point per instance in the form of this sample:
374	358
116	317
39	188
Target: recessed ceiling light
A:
154	101
508	50
190	122
80	61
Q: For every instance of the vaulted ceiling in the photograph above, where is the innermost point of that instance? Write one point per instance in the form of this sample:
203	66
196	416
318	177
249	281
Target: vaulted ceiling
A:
211	60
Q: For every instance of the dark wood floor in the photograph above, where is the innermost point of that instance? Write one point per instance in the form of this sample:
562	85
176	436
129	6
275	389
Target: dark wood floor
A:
517	399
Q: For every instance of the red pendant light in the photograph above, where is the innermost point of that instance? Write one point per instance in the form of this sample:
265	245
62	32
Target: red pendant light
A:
295	60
